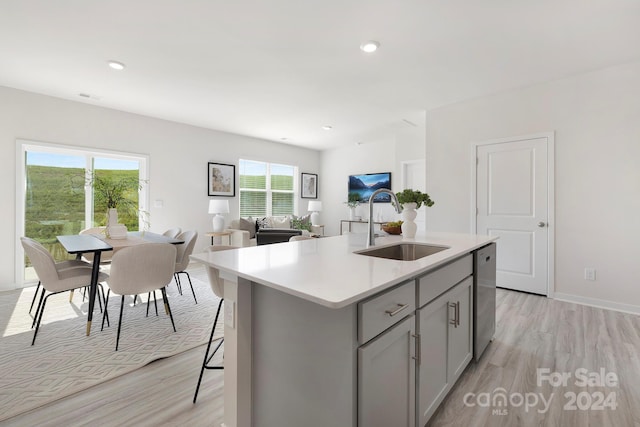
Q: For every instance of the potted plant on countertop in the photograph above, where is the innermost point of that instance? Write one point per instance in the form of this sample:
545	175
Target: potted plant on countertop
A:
410	200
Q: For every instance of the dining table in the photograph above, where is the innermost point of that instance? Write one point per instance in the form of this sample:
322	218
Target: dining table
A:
78	244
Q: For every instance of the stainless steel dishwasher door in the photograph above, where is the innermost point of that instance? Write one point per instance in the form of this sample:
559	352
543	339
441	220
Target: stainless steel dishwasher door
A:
484	298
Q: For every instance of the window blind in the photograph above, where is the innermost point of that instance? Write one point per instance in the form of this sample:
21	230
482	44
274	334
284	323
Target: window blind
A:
267	189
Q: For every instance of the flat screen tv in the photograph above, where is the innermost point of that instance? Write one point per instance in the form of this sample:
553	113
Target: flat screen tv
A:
365	184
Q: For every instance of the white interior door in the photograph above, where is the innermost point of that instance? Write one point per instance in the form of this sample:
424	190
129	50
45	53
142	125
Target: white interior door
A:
414	177
512	200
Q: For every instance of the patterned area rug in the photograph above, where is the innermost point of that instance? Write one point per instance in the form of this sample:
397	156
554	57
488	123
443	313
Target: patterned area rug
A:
64	360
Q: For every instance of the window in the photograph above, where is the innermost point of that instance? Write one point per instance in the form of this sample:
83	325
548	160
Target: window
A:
56	198
267	189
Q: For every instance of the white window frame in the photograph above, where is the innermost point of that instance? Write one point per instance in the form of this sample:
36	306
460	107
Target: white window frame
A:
23	146
268	190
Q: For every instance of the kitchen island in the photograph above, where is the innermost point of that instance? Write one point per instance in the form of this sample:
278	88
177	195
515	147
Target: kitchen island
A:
307	324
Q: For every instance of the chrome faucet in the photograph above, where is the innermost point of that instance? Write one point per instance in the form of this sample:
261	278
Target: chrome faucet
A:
371	237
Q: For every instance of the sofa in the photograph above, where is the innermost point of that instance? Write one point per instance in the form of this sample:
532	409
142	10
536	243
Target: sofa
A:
267	230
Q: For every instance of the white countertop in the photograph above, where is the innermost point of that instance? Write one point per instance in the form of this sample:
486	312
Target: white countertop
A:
327	272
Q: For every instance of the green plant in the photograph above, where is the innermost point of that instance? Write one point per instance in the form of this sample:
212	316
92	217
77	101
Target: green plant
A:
353	200
114	190
414	196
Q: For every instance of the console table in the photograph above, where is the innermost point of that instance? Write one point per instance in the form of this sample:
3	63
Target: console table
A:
359	221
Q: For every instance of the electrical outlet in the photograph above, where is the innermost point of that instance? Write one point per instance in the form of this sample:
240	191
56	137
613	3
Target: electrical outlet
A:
590	274
229	313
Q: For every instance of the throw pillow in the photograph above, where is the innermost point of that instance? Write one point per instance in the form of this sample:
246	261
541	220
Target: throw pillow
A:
306	219
280	222
248	225
263	223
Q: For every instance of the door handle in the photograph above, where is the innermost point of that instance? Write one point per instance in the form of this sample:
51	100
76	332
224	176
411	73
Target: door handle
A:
418	345
542	224
454	321
401	307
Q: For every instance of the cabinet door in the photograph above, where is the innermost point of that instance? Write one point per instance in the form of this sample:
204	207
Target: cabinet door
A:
460	301
433	327
386	378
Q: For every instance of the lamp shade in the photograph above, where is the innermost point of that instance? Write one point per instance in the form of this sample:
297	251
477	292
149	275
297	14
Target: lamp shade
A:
315	206
217	206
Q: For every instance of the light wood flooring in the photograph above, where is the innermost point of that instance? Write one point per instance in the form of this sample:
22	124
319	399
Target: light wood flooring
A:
532	332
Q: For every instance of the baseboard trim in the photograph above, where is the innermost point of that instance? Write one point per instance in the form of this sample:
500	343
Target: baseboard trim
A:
594	302
14	286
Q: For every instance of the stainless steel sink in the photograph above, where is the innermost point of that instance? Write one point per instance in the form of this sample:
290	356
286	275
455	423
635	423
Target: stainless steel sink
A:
403	251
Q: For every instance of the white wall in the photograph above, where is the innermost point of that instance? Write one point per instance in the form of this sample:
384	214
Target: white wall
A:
596	119
380	155
177	167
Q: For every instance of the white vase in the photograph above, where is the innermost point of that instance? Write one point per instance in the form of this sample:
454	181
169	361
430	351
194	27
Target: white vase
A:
112	217
409	227
112	221
352	213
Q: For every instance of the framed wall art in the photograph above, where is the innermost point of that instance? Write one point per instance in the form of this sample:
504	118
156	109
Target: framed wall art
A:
309	186
221	179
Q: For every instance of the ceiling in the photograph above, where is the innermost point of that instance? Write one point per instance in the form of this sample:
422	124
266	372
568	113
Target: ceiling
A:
281	69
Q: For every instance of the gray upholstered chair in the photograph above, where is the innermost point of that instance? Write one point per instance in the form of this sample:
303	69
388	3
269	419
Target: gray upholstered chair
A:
53	279
172	232
141	269
63	265
217	287
105	257
182	258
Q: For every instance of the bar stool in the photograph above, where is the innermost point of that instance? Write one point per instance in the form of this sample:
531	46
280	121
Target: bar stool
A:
218	289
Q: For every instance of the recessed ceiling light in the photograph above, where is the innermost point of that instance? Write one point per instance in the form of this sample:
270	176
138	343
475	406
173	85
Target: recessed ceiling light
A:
370	46
116	65
327	127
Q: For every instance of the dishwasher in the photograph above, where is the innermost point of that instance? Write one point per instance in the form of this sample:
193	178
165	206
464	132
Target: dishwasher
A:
484	298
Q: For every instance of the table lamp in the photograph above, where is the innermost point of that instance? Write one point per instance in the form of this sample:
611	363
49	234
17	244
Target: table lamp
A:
218	207
315	206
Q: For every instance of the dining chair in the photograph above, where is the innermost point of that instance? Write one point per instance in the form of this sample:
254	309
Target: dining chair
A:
182	258
52	279
172	232
141	269
62	265
217	286
296	238
105	257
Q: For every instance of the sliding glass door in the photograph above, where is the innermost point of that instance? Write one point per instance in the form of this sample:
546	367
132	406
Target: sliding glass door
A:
58	194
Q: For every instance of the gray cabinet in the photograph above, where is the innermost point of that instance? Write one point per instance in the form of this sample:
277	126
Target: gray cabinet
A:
387	379
386	358
445	327
409	360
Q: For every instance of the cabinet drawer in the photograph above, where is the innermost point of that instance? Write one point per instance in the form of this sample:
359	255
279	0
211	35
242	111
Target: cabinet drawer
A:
441	280
384	310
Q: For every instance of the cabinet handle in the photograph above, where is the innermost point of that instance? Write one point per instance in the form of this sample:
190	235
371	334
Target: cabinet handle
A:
418	356
453	321
457	313
401	307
